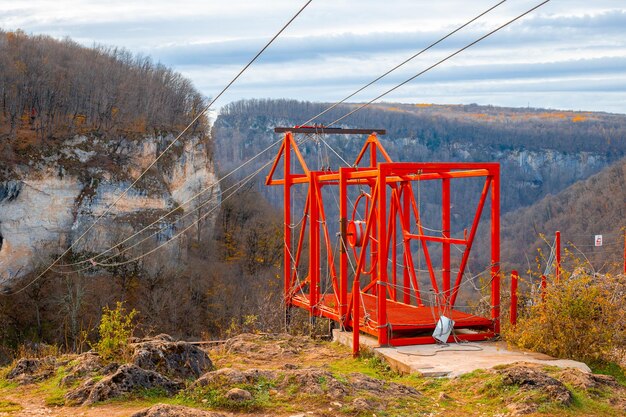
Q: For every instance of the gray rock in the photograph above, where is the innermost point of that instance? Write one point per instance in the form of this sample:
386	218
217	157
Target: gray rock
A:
179	360
238	394
29	370
528	378
127	379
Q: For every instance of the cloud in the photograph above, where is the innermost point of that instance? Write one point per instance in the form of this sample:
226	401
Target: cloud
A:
335	47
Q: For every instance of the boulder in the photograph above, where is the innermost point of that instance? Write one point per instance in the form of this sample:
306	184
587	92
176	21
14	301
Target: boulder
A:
86	364
178	360
532	378
585	380
165	410
29	370
127	379
238	394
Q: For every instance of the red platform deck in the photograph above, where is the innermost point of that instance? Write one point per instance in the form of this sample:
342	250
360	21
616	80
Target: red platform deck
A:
406	321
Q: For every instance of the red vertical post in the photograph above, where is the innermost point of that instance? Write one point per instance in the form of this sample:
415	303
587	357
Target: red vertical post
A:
558	256
314	253
544	285
381	287
394	251
356	301
513	311
287	225
495	249
343	253
445	226
374	244
406	213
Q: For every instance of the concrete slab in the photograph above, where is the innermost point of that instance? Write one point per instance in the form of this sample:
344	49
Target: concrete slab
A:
454	359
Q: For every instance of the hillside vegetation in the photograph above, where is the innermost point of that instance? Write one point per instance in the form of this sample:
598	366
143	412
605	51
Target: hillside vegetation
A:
52	89
585	209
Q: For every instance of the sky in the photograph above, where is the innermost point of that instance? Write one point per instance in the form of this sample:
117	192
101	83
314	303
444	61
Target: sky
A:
569	54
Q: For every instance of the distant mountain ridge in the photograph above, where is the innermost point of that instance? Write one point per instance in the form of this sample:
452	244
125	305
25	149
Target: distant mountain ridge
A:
595	206
541	151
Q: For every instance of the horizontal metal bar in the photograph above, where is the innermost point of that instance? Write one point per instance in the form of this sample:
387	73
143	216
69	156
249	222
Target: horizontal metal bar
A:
329	130
437	239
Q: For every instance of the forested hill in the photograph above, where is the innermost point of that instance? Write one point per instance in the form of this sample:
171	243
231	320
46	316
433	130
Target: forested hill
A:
77	127
55	89
541	151
588	208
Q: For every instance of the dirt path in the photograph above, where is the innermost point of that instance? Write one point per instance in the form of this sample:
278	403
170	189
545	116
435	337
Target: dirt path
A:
33	405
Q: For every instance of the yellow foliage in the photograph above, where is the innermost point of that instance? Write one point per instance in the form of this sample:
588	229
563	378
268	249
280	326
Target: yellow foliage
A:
581	317
423	105
579	118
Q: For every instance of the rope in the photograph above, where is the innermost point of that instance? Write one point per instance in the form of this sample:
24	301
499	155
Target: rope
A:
202	191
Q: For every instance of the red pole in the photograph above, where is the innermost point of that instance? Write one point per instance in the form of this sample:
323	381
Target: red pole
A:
406	248
287	226
356	300
343	260
514	282
495	249
558	256
381	288
314	253
445	226
544	285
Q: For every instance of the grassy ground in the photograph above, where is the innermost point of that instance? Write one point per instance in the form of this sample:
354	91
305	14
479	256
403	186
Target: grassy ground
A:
480	393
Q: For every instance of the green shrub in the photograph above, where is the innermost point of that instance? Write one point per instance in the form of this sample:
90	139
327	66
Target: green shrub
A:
115	329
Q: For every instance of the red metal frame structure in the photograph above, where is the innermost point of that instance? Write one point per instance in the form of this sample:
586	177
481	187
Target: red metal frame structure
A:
381	295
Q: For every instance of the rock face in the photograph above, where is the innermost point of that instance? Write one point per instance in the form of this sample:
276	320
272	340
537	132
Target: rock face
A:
46	205
178	360
127	379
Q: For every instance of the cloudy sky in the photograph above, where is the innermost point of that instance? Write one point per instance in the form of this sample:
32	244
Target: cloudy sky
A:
569	54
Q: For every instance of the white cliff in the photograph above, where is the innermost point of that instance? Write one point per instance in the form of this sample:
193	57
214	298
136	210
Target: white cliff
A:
46	206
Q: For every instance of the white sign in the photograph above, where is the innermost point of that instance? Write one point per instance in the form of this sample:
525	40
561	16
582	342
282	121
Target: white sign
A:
598	240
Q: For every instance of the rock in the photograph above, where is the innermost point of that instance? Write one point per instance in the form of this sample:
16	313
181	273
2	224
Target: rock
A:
226	377
529	378
164	410
179	360
380	387
127	379
86	364
238	394
262	346
361	404
443	397
585	380
29	370
519	409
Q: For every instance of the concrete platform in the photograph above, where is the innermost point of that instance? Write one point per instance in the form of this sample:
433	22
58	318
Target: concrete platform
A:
455	359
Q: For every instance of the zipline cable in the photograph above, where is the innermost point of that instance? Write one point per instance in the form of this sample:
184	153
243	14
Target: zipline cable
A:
402	63
438	63
198	194
195	119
